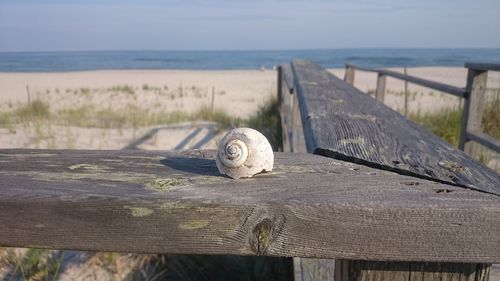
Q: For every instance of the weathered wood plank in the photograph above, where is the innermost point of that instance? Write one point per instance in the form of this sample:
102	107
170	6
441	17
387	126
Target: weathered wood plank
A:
459	92
344	123
309	206
413	271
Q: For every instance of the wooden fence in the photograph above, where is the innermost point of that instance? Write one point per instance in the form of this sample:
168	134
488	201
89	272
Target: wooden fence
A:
383	197
473	94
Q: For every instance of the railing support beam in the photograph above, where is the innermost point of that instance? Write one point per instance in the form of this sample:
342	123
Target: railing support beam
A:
473	109
349	74
380	91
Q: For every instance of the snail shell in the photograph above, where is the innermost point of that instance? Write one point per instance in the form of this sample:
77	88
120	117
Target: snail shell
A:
244	152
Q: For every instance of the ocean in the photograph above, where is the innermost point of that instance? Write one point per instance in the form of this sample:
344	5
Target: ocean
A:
230	60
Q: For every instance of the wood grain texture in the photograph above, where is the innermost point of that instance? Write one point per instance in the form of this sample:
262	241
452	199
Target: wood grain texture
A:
410	271
342	122
177	203
459	92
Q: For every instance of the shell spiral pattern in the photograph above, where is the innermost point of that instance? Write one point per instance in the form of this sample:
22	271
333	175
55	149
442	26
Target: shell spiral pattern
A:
244	152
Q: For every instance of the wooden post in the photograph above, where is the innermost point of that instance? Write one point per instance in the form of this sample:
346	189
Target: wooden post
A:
349	74
473	109
380	91
406	93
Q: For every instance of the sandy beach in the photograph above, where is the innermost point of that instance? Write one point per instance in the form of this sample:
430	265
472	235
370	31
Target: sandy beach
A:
236	93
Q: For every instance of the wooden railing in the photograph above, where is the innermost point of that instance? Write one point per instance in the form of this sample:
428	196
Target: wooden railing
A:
323	115
473	94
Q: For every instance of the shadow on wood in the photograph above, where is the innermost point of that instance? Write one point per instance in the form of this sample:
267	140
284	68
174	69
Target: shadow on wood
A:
222	268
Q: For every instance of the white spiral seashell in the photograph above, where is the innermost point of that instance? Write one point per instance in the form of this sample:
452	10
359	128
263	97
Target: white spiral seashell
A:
244	152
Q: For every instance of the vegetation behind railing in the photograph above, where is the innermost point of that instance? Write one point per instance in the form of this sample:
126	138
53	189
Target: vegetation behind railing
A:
474	101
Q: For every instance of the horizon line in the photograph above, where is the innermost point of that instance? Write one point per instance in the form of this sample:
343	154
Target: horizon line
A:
252	50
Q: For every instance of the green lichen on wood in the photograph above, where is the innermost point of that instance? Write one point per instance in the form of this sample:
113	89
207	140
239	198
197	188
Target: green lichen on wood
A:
264	237
453	166
89	167
194	224
172	206
166	184
139	212
189	208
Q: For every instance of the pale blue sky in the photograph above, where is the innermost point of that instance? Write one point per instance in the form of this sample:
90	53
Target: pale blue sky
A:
49	25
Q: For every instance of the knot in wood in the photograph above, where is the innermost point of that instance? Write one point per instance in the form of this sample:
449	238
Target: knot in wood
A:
261	234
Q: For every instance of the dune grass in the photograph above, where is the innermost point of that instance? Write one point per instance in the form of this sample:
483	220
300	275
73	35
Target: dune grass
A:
34	264
446	123
38	114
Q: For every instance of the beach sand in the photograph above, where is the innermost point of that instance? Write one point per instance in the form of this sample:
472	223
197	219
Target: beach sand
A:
236	92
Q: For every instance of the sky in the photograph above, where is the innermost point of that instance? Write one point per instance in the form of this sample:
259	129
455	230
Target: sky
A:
64	25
